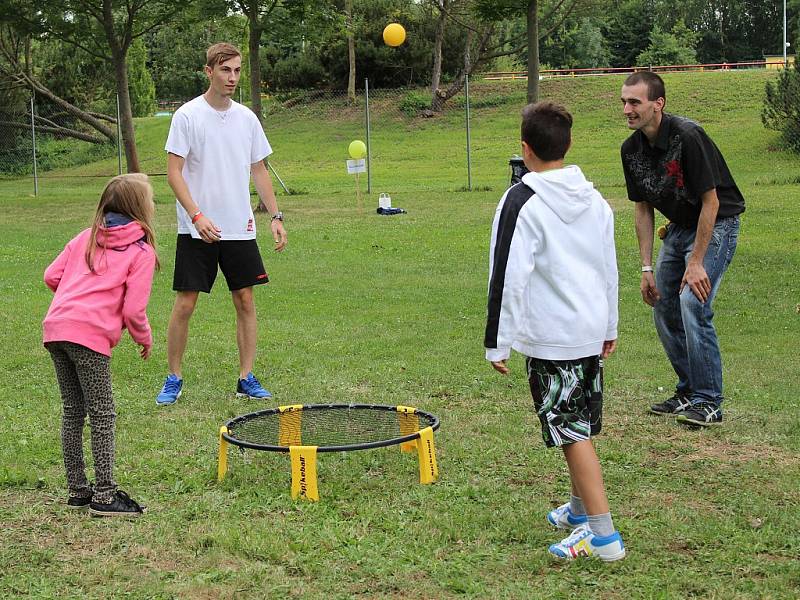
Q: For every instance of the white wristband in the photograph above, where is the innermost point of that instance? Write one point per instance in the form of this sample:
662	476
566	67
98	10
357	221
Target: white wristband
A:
647	269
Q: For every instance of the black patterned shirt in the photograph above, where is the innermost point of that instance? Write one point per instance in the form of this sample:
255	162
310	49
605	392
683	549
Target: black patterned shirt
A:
673	173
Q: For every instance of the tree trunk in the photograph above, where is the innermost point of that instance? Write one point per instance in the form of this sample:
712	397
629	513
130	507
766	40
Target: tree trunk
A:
470	64
351	52
254	42
533	51
125	113
436	74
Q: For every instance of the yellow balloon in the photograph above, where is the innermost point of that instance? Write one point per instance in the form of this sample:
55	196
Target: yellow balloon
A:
394	34
357	149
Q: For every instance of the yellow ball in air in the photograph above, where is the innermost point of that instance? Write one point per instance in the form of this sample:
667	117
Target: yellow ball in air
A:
394	34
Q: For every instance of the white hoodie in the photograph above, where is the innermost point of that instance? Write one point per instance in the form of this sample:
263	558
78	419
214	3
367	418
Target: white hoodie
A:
552	269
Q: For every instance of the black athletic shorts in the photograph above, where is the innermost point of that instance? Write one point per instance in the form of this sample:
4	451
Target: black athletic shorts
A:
196	264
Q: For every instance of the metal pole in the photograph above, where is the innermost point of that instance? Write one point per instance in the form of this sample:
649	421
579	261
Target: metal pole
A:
785	61
119	141
469	145
369	146
272	170
33	138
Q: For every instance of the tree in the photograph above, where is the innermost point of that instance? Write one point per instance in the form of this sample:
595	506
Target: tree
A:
258	13
351	51
106	29
16	67
781	110
589	46
673	48
142	88
176	51
553	15
627	31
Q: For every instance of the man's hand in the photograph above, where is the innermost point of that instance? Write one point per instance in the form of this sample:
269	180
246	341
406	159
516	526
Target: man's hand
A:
208	232
649	290
697	280
278	234
500	367
608	348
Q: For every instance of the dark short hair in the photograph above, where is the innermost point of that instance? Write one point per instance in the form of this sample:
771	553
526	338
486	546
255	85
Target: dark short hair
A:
546	128
654	83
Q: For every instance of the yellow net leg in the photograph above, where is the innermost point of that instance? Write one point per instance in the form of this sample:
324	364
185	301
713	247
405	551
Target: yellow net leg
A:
304	472
289	425
409	423
428	470
222	463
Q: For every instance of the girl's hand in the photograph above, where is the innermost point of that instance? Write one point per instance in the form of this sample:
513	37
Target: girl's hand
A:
145	351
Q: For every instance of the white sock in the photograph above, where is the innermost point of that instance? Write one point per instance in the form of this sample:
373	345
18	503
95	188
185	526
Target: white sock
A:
601	525
576	505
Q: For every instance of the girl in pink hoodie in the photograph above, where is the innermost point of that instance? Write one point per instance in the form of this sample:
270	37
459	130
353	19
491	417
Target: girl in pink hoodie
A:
102	283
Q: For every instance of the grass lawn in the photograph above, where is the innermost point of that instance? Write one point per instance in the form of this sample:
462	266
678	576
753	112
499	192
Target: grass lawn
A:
383	310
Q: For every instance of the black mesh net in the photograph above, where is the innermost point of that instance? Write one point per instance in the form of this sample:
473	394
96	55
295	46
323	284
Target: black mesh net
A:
327	426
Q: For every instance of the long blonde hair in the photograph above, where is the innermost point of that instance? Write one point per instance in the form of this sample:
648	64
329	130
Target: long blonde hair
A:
130	195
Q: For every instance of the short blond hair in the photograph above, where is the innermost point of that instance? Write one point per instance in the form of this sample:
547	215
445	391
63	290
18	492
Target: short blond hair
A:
219	53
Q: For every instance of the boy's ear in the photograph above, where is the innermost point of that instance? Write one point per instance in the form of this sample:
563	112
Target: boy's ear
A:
527	151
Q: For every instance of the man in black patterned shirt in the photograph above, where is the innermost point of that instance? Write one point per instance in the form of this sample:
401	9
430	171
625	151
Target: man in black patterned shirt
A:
671	165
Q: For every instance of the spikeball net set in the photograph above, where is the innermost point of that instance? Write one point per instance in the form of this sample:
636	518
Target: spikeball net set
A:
305	430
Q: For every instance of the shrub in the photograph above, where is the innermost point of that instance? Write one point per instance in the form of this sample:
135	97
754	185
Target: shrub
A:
781	110
414	102
298	71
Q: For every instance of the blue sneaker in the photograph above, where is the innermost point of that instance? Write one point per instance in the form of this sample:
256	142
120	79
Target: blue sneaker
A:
582	542
171	391
250	387
563	518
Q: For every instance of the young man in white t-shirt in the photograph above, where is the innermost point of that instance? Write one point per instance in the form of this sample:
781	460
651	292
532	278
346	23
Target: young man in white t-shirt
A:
214	146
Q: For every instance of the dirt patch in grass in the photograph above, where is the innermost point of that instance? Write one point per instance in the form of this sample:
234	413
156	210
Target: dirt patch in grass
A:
727	451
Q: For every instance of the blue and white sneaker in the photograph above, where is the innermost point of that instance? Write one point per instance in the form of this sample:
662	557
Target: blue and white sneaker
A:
171	391
563	518
582	542
250	387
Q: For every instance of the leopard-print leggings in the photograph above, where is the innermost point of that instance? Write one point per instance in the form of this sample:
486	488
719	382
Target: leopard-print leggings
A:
84	377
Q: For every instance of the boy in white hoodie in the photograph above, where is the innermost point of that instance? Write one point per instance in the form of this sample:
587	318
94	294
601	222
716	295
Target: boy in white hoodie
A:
553	298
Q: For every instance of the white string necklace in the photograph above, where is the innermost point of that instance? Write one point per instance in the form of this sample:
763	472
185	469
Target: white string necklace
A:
222	113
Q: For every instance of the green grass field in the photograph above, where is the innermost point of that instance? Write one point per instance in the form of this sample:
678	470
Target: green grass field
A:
385	310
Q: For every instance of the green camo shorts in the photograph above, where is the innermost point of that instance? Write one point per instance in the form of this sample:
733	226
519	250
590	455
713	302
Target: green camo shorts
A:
568	397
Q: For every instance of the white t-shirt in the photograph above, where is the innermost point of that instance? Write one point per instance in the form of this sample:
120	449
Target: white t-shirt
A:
219	148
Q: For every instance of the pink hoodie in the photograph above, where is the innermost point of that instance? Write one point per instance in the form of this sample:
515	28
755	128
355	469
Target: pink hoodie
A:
92	309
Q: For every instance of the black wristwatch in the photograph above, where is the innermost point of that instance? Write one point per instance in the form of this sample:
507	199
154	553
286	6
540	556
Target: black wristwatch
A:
278	215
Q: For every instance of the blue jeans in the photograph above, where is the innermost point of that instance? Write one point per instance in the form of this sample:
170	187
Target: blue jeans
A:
683	322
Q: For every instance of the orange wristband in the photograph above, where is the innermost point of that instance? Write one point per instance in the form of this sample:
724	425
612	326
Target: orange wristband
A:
196	216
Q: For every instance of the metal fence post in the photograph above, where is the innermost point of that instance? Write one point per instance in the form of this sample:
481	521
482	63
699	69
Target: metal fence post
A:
369	146
33	138
469	145
119	141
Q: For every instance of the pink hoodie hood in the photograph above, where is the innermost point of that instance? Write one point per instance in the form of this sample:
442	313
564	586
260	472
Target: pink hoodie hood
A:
119	236
92	308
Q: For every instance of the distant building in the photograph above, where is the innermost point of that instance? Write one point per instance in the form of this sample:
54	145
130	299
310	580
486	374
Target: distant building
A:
775	61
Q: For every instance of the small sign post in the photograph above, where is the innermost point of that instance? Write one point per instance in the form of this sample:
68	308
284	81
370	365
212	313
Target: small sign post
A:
355	166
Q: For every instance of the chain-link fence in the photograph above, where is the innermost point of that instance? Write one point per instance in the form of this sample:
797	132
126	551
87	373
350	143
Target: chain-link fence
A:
47	143
309	130
467	145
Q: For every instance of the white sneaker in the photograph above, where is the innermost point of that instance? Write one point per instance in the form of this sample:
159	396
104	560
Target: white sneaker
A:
582	542
563	518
